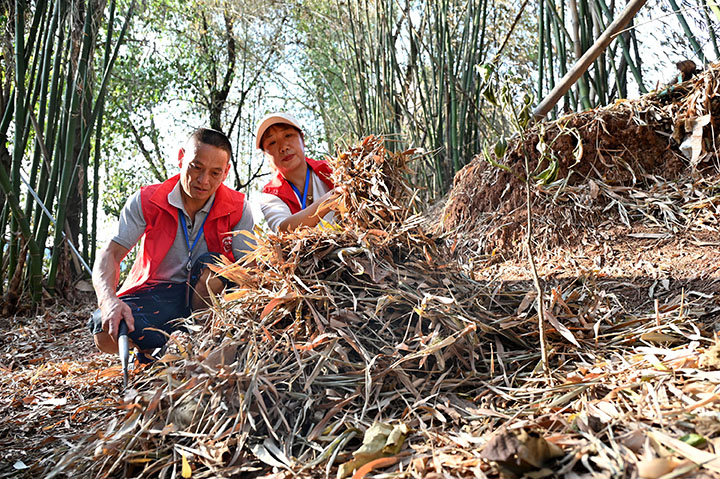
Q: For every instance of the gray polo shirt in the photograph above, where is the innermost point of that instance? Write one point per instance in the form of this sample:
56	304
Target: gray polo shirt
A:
173	267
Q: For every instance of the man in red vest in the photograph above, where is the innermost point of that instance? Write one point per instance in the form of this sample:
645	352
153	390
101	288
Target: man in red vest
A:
299	192
184	223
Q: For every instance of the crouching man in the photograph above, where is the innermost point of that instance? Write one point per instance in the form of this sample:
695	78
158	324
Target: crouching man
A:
185	223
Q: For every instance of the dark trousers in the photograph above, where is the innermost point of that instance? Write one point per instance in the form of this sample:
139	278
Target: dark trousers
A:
158	308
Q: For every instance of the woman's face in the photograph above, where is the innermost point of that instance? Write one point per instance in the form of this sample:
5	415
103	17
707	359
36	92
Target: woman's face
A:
284	148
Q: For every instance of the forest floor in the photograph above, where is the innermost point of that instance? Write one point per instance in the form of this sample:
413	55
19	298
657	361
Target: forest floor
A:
396	345
57	388
55	384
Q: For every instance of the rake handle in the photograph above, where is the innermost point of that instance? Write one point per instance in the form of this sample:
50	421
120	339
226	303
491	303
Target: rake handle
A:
123	349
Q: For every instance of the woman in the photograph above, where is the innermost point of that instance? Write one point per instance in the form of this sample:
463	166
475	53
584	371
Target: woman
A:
299	192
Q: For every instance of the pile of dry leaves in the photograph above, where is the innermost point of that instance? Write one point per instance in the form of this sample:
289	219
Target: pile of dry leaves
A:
358	348
650	160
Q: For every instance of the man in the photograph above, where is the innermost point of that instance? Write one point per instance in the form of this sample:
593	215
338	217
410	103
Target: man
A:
185	223
298	194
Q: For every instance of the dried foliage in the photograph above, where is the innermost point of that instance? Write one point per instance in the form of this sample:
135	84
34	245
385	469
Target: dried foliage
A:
361	347
53	387
363	332
632	159
334	328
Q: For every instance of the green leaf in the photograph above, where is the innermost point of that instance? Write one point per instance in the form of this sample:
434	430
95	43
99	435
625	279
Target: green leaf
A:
549	174
489	95
485	70
501	148
489	159
695	440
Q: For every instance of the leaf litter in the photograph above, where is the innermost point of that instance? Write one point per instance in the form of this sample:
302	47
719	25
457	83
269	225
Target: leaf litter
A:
366	349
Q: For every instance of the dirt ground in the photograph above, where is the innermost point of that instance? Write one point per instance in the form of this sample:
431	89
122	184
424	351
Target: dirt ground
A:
628	255
55	385
57	388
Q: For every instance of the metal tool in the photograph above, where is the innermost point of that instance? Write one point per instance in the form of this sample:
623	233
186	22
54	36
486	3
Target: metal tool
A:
123	349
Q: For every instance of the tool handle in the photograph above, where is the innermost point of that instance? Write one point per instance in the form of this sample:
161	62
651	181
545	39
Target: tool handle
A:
122	328
123	349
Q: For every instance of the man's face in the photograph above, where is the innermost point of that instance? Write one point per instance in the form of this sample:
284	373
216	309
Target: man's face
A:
203	168
284	148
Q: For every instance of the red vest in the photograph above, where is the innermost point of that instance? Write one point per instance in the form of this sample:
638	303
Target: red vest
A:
161	219
281	188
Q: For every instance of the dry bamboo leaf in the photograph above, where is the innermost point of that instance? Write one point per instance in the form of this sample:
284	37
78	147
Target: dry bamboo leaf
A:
518	452
702	458
380	441
560	328
186	469
697	143
375	464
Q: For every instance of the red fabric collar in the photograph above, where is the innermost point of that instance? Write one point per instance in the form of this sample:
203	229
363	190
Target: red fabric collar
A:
281	188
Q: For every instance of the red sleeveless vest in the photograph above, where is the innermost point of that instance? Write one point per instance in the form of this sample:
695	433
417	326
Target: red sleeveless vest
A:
161	219
281	188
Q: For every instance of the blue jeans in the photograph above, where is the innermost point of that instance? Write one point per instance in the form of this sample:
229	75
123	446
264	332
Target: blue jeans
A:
158	306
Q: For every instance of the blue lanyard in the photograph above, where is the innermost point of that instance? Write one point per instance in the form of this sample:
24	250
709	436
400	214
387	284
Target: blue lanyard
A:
303	198
181	214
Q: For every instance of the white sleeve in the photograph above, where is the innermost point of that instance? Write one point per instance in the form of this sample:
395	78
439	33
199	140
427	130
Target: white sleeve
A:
274	210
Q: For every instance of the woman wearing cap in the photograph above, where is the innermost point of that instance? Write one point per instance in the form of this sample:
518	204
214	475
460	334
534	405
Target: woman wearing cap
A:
297	195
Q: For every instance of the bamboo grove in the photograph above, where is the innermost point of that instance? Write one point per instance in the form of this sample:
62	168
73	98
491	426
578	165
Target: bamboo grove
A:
427	74
433	72
53	108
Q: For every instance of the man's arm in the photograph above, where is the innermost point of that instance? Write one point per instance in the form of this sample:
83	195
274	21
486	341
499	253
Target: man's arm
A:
106	273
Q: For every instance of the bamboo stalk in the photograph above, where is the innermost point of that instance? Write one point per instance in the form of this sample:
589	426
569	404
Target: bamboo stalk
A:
626	51
43	86
66	178
601	76
584	44
98	137
3	250
688	32
583	63
541	48
18	147
550	56
88	133
48	174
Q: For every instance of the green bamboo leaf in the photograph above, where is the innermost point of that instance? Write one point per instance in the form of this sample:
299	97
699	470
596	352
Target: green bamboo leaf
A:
485	71
695	440
489	94
714	7
488	157
501	147
549	174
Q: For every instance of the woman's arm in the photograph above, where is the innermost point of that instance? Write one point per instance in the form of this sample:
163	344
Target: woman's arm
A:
311	215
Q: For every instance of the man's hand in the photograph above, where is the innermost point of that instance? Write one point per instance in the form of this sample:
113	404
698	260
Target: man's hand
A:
105	278
113	310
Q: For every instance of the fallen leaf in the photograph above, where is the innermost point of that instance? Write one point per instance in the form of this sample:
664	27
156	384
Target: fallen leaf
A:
520	451
696	140
380	441
376	464
186	469
656	467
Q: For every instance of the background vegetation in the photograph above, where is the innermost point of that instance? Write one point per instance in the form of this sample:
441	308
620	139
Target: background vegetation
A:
95	95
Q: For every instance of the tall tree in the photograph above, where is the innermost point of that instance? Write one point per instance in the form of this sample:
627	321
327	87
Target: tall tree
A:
203	62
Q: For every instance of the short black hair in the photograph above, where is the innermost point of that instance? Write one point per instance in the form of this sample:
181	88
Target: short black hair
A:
213	138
